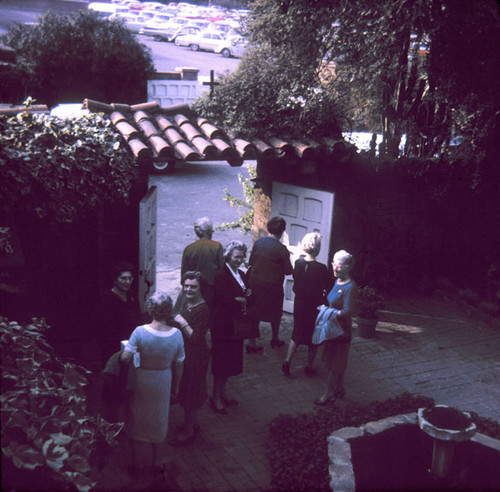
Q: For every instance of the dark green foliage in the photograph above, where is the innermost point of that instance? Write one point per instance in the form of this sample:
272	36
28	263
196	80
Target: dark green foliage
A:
12	82
297	448
369	301
427	69
276	90
57	169
70	57
415	67
49	442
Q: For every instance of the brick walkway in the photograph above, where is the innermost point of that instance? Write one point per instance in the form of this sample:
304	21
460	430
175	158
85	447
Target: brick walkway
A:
423	346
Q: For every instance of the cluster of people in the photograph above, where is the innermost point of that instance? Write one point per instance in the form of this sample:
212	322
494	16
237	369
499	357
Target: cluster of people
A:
167	357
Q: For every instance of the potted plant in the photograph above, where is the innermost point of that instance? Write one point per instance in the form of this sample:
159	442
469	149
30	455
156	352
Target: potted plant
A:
368	303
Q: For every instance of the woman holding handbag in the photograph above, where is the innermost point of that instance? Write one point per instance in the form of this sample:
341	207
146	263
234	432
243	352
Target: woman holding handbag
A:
342	298
229	306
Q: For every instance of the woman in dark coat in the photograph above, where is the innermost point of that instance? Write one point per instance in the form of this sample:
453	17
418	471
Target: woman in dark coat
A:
193	319
311	281
230	300
269	263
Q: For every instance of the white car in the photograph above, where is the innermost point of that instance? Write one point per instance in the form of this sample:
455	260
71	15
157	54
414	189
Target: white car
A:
207	41
157	26
161	30
234	46
133	22
183	31
152	5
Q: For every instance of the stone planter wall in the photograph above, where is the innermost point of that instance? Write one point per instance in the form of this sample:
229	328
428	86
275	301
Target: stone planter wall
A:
342	447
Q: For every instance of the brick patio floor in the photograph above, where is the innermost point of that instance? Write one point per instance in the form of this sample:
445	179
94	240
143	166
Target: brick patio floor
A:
423	346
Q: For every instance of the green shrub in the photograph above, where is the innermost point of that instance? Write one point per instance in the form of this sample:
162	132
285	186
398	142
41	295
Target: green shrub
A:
48	439
57	169
244	206
70	57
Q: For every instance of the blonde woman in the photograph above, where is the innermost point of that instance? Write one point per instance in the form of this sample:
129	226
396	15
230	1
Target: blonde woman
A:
311	281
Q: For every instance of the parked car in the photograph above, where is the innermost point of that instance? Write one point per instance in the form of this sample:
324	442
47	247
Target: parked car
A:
207	41
163	31
234	46
102	9
157	26
183	31
152	5
133	22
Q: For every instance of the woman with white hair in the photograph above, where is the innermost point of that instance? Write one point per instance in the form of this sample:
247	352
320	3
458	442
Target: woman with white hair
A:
311	281
157	350
335	352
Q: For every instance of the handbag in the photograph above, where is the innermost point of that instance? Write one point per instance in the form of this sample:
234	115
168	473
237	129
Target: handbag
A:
326	327
245	326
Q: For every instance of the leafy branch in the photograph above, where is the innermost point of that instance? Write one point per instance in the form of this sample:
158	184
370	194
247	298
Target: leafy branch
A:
243	206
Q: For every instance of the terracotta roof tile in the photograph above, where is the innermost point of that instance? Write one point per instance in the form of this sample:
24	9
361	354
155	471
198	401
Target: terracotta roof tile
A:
174	132
160	136
9	110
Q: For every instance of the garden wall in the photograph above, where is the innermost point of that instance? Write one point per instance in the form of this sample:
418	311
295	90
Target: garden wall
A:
408	223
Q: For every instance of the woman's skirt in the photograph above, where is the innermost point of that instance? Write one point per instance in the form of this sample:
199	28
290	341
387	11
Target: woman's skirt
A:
193	387
150	405
335	355
268	304
227	357
305	313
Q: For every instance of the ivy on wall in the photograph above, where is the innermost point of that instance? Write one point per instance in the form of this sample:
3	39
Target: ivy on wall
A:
57	169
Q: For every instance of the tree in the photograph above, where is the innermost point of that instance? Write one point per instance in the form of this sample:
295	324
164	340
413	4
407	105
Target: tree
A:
417	63
70	57
277	87
421	68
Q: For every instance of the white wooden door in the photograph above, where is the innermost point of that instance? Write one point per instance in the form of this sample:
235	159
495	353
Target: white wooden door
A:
147	246
305	210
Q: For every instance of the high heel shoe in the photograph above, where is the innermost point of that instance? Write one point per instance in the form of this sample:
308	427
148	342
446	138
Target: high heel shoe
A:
322	403
216	409
340	394
285	368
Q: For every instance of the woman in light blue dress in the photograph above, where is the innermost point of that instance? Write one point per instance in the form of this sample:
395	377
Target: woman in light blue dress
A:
157	352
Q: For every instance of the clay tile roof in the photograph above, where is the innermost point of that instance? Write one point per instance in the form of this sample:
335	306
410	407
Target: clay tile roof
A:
10	110
163	135
159	136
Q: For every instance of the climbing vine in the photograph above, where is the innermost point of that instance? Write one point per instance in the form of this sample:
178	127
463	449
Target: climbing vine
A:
244	206
57	169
